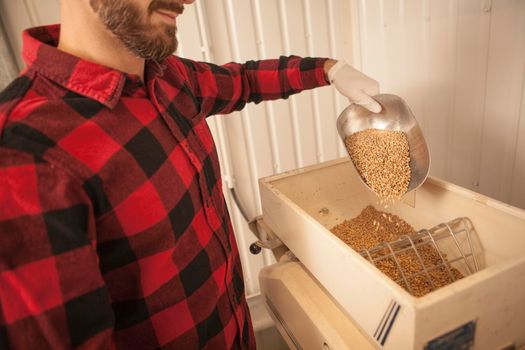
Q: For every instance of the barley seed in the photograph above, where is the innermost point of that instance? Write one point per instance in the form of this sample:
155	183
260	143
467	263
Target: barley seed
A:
372	228
382	159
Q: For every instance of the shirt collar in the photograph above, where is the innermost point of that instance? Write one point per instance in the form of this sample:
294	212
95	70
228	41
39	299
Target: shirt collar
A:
86	78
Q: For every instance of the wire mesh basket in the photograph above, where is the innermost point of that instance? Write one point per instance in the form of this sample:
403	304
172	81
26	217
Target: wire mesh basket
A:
430	259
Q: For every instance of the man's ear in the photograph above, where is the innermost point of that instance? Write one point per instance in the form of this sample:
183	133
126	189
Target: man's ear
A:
94	4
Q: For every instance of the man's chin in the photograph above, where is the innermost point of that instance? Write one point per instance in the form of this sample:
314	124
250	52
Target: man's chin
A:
158	53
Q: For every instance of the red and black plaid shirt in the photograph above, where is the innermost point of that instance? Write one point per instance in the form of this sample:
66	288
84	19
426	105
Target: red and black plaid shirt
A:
114	232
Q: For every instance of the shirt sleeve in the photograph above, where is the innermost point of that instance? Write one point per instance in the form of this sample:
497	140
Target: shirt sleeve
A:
52	294
227	88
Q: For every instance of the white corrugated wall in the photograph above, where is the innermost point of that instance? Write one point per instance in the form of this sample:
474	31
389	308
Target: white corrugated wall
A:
460	64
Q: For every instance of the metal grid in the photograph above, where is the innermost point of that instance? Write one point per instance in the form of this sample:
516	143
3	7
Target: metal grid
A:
455	243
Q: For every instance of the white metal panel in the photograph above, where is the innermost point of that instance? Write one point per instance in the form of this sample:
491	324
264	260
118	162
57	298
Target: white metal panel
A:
304	123
21	14
7	61
505	77
317	22
43	12
469	87
518	186
15	18
268	107
190	39
440	44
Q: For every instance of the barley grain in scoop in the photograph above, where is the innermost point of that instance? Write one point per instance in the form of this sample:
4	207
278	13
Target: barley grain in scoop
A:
382	159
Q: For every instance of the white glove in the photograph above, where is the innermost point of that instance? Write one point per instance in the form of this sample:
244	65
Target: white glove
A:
356	86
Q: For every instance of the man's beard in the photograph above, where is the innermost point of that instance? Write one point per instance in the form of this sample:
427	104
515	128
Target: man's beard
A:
125	20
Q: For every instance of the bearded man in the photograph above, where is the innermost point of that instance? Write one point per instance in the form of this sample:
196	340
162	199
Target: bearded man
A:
114	232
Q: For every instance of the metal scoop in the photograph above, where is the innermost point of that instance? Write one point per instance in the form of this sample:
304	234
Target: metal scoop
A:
395	116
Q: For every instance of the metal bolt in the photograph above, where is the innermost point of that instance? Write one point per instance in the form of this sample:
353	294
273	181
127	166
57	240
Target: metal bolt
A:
324	211
254	248
487	6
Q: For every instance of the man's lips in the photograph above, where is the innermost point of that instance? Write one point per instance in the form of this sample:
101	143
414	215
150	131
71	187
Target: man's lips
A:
171	15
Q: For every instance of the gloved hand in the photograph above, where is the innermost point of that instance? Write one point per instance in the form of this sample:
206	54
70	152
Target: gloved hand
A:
356	86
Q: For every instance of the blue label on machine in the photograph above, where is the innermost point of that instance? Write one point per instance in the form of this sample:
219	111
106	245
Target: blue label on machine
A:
460	338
